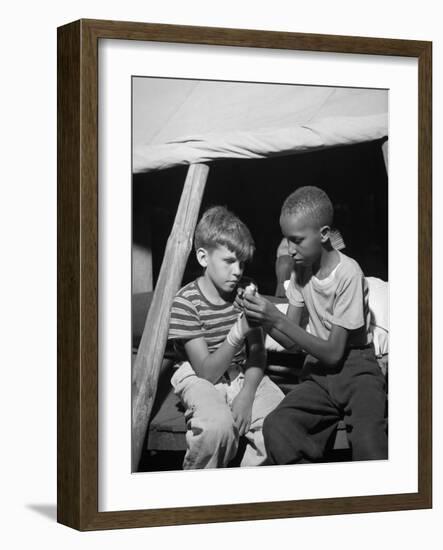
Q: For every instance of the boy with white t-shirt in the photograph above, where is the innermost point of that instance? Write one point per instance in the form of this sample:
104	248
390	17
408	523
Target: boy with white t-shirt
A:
341	376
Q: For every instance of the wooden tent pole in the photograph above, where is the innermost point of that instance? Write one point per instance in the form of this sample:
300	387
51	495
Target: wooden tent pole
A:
153	342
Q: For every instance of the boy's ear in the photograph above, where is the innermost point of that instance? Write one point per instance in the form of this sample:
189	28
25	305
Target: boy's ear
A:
325	233
202	257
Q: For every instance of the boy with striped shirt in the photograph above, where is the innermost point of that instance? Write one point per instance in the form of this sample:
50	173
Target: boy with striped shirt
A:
222	388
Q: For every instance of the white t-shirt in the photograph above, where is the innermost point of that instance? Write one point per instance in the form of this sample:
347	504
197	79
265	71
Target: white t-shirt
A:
340	299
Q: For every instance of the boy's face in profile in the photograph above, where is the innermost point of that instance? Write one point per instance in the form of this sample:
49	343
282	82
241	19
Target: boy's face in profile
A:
304	237
222	267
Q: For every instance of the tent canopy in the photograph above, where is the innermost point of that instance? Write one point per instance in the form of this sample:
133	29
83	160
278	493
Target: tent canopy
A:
184	122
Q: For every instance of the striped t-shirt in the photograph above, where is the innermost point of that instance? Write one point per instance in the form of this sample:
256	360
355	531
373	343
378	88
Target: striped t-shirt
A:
193	316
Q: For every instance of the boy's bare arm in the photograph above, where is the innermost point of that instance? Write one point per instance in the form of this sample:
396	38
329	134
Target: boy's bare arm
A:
329	352
256	361
288	333
283	266
209	366
293	314
255	366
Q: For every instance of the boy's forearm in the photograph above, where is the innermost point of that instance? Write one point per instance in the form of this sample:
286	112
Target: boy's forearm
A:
289	334
256	361
253	376
282	337
217	363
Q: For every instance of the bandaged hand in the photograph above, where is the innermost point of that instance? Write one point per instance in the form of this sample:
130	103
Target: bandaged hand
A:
240	328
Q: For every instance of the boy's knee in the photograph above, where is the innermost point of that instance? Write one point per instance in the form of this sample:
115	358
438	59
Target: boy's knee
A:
268	423
284	440
274	428
220	430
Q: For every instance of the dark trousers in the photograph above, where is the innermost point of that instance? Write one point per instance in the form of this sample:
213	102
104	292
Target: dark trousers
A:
305	422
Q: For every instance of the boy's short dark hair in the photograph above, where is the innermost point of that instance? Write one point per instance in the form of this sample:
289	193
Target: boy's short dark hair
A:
219	226
312	201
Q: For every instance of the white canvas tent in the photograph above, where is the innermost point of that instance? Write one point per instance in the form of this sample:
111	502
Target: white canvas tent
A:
196	122
204	121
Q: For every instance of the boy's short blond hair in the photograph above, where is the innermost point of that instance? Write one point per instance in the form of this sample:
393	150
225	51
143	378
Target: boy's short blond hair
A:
219	226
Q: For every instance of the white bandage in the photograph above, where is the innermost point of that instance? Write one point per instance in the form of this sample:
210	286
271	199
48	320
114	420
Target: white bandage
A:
236	335
239	329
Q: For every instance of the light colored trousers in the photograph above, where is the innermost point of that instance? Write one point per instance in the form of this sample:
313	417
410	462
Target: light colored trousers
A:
212	436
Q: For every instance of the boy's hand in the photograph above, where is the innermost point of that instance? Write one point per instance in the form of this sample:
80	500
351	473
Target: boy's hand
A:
242	411
239	329
260	311
251	288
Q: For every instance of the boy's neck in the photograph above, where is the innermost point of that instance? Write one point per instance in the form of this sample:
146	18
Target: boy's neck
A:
210	291
327	261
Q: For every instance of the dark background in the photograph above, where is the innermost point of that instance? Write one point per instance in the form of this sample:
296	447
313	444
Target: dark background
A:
354	177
